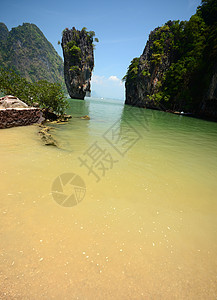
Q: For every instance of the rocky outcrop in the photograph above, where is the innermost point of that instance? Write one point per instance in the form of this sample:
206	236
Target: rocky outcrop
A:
46	137
14	112
208	107
12	117
78	61
177	70
146	72
10	101
212	91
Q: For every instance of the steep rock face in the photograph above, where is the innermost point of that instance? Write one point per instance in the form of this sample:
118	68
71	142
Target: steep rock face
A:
145	73
156	71
212	92
78	61
26	49
177	70
208	106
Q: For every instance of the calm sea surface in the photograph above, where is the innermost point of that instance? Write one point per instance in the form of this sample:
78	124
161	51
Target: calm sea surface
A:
145	223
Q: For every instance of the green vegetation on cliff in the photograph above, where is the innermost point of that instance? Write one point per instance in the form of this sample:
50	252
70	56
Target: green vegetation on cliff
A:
179	62
132	70
78	46
26	50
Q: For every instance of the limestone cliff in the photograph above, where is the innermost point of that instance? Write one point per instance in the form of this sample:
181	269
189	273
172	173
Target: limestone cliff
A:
78	61
145	73
208	106
177	70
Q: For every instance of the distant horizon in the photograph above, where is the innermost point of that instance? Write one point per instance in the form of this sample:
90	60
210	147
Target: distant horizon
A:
104	98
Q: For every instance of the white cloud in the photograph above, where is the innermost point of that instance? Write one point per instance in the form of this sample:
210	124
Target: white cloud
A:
98	79
114	78
102	80
111	87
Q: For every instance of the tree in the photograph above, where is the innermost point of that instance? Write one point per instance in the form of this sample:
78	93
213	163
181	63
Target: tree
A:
132	70
48	95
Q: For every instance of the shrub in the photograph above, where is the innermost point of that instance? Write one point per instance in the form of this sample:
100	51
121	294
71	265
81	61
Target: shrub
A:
48	95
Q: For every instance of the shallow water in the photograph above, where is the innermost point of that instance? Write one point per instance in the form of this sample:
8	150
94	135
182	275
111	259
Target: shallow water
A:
146	227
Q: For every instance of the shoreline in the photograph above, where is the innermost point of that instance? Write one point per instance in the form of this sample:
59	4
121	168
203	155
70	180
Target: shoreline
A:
179	113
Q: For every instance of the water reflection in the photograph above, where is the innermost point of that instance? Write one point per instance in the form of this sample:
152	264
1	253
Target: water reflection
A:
78	108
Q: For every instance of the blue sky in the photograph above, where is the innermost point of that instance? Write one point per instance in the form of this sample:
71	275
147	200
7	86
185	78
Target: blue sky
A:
121	26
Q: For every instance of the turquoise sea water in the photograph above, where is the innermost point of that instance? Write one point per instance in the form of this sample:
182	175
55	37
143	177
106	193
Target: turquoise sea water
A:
145	226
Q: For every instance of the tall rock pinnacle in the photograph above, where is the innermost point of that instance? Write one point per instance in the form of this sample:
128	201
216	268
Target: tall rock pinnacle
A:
78	61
